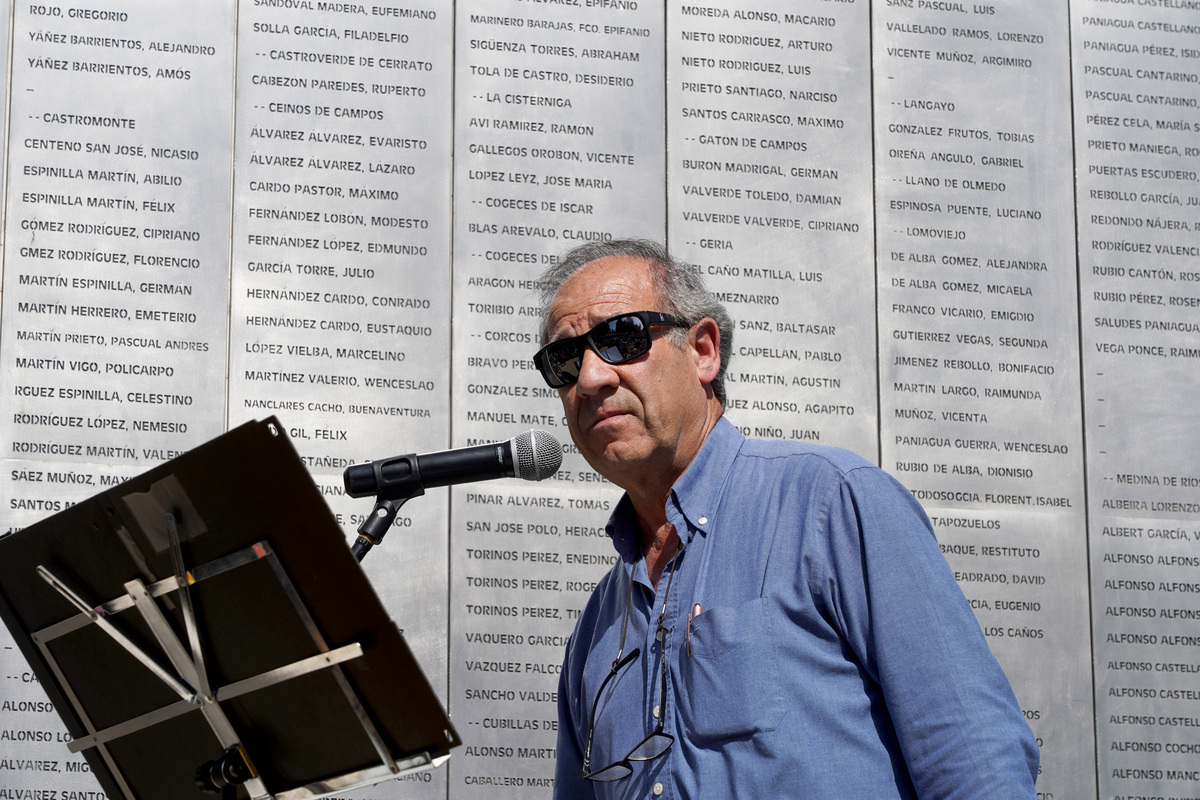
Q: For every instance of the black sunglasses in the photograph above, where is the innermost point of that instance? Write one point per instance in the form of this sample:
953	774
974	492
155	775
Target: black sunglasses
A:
647	749
657	742
616	340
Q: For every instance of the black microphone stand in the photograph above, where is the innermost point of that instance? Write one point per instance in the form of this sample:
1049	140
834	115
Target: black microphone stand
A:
393	494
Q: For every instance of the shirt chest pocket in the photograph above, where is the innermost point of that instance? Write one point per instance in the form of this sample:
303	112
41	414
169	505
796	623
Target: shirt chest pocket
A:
729	682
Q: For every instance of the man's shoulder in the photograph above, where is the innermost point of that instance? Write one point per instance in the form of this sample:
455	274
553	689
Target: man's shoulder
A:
813	456
836	469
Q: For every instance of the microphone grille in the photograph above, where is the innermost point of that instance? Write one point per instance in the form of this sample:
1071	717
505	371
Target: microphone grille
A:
537	455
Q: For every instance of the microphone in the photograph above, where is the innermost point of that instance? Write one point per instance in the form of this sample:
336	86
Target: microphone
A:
531	456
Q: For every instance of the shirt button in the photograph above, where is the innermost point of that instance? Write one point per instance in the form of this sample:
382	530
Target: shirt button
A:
703	520
658	789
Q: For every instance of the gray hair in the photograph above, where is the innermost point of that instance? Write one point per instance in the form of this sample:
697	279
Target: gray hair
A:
680	288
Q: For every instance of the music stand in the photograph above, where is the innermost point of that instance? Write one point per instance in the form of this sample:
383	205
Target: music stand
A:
204	628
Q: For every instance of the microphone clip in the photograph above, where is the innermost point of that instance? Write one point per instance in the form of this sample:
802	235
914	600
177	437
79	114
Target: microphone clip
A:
393	493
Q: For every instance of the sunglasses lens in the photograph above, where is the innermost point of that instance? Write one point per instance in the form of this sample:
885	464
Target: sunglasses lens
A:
621	339
613	772
652	746
562	361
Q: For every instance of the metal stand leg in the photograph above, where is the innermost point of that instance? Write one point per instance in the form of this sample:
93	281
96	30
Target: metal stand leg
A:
186	676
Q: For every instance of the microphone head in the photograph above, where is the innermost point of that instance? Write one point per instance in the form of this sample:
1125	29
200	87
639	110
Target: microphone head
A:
536	455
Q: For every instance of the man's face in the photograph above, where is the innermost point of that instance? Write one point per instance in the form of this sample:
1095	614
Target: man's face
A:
633	420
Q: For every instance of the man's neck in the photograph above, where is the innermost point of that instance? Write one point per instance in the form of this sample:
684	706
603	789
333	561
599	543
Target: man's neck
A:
660	541
658	549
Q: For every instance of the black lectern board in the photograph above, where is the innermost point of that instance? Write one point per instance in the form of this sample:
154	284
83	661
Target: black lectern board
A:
211	607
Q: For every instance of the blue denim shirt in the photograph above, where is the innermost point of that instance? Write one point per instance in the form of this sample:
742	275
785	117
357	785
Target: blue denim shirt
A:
834	655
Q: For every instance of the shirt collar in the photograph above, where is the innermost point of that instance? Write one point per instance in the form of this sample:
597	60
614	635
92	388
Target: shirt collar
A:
694	496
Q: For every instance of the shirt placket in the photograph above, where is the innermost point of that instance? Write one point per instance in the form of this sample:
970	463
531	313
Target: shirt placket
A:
663	787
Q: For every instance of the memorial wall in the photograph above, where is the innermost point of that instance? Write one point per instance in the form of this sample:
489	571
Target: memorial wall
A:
961	239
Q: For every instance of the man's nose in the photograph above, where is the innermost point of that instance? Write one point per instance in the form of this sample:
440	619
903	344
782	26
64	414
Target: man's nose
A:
595	374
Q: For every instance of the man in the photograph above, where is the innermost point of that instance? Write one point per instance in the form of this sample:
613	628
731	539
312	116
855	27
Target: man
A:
781	622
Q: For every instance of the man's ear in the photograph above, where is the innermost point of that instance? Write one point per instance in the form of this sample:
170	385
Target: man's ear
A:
705	339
